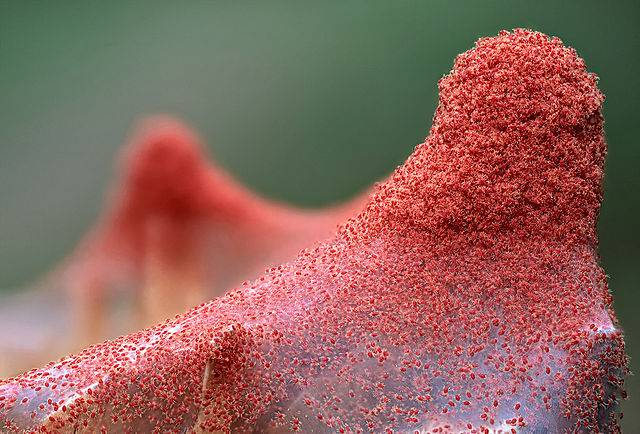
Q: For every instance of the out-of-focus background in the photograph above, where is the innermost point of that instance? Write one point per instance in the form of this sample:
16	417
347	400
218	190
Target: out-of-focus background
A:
305	102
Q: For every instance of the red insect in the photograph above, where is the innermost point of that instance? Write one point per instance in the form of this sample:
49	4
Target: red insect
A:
492	217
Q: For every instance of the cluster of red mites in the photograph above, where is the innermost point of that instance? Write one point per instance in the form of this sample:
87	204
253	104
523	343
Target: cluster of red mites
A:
175	207
466	297
176	231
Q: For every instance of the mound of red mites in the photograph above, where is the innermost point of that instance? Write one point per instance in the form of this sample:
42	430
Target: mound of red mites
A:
467	297
178	220
175	231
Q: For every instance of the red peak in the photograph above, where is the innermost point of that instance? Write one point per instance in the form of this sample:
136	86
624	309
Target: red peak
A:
164	169
516	143
176	230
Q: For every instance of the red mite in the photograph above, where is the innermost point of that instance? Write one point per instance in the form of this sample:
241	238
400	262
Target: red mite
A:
176	231
472	272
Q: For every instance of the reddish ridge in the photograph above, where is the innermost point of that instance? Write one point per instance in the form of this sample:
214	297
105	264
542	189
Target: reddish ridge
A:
467	297
178	220
176	231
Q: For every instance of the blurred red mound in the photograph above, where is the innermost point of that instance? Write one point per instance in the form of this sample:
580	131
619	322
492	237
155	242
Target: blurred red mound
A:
466	297
176	231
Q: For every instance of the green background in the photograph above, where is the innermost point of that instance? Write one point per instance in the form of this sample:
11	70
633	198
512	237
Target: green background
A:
307	102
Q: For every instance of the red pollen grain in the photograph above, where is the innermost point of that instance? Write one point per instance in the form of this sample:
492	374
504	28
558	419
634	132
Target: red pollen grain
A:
492	217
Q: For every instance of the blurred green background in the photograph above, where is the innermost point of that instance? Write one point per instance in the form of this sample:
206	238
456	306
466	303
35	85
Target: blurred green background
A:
307	102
